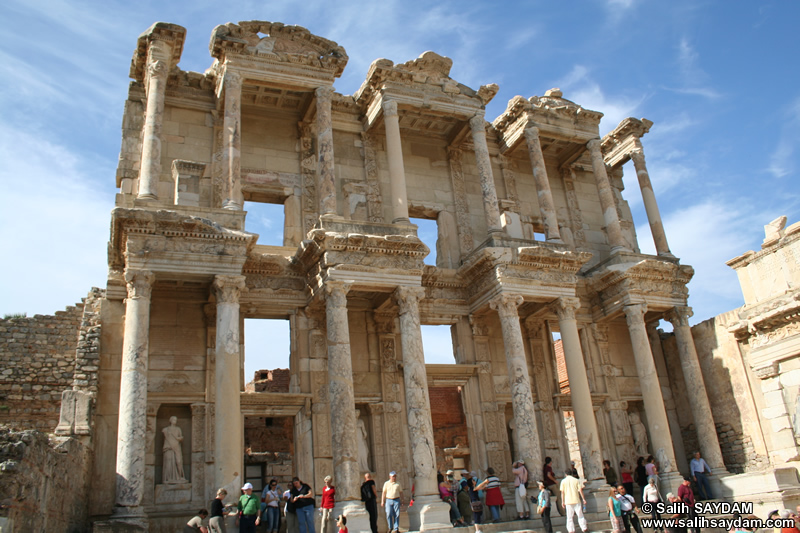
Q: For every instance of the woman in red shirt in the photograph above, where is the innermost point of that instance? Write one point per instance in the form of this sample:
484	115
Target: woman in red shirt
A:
328	501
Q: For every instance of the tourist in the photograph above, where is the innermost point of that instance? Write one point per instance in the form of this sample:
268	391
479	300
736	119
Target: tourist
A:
249	510
326	506
196	524
699	470
369	495
611	475
628	506
573	471
640	476
543	507
290	513
341	523
391	499
651	469
572	492
463	499
687	496
216	524
627	477
551	483
521	490
475	502
675	518
270	499
651	495
446	494
494	498
614	511
303	499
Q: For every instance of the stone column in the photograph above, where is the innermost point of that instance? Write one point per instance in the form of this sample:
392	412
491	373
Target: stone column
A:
696	389
428	512
340	390
610	215
397	172
546	205
232	141
657	422
157	71
528	444
650	205
478	126
585	421
132	424
327	185
228	430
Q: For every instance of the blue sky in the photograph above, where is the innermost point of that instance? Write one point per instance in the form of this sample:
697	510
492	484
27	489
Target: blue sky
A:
719	79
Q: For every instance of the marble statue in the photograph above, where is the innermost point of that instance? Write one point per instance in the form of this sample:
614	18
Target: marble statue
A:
172	468
363	444
639	435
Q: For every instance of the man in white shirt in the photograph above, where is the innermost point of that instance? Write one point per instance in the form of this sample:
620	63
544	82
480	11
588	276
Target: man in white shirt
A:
628	506
572	495
700	469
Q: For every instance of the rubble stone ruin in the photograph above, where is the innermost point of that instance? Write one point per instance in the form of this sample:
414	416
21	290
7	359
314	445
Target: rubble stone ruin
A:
143	387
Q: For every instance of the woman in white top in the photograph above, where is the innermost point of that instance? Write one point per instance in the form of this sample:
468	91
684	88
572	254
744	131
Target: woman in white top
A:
652	495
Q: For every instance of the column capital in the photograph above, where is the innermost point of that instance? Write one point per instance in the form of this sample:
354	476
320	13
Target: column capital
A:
157	69
637	154
478	123
506	304
534	325
228	289
324	94
408	298
634	313
566	306
389	108
232	81
336	293
139	282
531	133
679	315
593	145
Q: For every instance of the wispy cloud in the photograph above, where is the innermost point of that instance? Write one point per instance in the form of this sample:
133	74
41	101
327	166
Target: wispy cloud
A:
695	80
783	160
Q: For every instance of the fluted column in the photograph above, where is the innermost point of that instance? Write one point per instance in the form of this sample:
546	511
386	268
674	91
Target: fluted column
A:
132	422
397	172
340	391
528	442
657	421
232	141
546	205
428	511
327	185
157	71
585	421
696	388
228	430
478	126
650	205
607	204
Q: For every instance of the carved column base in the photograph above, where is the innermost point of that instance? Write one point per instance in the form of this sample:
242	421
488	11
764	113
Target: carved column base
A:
356	513
428	512
121	523
596	493
231	205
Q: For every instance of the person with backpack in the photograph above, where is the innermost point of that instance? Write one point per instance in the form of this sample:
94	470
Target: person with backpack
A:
369	495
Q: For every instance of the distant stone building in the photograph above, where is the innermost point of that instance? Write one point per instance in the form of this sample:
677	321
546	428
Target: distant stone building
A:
534	239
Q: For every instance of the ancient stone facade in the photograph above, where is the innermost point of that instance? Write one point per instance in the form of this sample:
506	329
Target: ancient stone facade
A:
534	239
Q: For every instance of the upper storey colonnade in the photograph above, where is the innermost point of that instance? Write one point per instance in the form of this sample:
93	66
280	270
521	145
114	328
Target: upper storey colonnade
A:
272	68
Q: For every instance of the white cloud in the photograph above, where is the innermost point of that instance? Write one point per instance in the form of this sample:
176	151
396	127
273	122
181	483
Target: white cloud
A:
783	161
695	79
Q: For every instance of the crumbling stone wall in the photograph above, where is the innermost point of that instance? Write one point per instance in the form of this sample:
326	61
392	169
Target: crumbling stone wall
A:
449	423
37	358
43	482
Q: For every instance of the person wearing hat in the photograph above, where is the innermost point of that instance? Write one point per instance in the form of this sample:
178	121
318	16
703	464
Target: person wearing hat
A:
475	496
463	499
572	470
521	490
391	499
249	510
326	507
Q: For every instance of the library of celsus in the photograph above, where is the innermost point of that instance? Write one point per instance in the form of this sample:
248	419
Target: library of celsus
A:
538	268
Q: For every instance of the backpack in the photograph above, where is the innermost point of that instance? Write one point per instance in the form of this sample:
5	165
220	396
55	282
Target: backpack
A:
366	492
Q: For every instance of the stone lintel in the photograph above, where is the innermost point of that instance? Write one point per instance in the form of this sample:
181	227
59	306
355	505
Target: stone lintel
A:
618	144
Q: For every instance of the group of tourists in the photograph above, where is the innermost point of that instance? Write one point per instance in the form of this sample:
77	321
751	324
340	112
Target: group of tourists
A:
466	497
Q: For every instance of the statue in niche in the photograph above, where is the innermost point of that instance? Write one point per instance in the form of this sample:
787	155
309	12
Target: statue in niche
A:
639	434
363	444
172	468
796	416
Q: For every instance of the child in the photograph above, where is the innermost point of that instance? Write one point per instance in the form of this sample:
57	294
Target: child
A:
341	523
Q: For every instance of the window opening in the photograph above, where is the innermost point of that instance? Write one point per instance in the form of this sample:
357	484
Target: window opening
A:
428	232
437	343
267	220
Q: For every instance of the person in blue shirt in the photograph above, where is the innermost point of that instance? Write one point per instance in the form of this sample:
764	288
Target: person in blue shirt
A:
700	470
